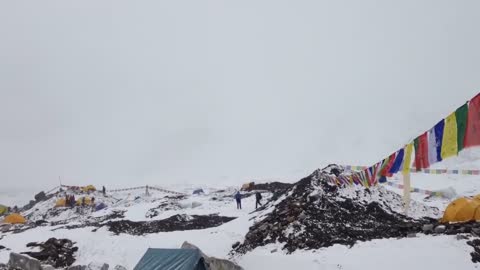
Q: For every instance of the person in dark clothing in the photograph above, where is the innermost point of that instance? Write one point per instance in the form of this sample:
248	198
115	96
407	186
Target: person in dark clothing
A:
258	198
83	201
93	200
238	198
72	201
104	191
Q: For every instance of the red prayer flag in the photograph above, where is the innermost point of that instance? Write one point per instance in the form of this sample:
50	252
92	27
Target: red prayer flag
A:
386	169
472	133
421	152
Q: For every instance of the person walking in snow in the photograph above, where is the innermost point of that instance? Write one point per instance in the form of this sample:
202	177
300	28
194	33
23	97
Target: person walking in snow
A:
104	191
258	198
238	198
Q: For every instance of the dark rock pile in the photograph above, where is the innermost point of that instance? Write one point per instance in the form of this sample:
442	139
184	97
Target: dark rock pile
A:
174	223
314	215
56	252
476	250
169	203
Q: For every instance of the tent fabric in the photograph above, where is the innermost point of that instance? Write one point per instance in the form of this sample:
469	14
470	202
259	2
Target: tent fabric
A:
472	132
439	138
15	219
3	209
462	210
88	201
88	188
171	259
100	206
61	202
450	137
461	115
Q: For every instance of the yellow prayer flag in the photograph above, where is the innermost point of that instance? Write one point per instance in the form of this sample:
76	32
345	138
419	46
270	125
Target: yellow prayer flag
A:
450	142
407	161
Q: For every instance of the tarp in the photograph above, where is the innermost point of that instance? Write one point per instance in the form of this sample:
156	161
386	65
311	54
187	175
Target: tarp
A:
100	206
461	114
450	141
3	209
171	259
15	219
472	133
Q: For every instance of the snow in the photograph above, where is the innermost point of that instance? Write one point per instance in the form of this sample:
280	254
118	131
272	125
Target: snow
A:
101	246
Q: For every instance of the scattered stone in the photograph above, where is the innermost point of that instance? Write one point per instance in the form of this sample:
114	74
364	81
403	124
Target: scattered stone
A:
77	267
18	261
476	250
235	245
1	247
462	237
427	228
47	267
274	250
411	235
476	231
440	229
173	223
119	267
96	266
55	252
316	213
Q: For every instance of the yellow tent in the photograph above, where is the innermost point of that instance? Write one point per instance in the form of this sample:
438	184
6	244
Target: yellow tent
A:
248	186
462	210
88	188
15	219
88	201
3	209
61	202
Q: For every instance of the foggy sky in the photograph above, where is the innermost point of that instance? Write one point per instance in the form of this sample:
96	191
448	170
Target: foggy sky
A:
158	92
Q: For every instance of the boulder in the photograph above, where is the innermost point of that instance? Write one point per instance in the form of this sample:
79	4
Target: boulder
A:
96	266
22	262
440	229
427	228
40	197
213	263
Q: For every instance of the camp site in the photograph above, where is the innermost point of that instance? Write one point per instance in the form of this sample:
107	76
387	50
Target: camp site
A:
239	135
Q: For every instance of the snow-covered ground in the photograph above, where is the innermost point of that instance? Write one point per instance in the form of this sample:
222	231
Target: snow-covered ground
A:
421	252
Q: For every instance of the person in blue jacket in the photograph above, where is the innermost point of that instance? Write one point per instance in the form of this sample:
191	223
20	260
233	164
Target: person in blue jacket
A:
238	198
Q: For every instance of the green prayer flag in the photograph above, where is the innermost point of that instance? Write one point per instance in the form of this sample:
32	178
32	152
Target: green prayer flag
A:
461	114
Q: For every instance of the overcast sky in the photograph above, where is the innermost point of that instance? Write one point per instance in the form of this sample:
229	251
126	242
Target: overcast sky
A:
124	93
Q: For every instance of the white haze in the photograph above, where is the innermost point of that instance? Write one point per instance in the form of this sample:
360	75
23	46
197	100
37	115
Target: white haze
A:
124	93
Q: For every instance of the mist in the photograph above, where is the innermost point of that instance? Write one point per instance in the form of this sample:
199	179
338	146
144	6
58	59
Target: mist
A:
124	93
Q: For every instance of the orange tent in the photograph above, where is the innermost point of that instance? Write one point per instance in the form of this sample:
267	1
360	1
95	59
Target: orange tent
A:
462	210
15	219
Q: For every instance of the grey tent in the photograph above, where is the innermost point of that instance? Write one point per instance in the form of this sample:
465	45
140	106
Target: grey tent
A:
171	259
